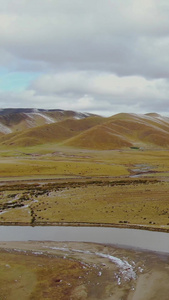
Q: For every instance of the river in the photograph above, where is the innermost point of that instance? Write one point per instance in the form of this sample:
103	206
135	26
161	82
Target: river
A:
132	238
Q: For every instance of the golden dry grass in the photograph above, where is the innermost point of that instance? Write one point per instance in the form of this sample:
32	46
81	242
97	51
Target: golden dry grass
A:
20	168
80	200
55	132
30	276
124	131
99	138
37	270
127	203
117	132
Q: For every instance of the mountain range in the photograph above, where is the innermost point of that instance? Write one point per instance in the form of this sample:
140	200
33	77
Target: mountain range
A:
30	127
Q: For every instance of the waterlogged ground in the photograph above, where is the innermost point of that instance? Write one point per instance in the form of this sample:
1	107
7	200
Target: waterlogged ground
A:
81	271
124	188
122	202
44	185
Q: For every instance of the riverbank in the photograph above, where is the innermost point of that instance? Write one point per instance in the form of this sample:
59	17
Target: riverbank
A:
125	203
81	271
124	237
84	224
103	189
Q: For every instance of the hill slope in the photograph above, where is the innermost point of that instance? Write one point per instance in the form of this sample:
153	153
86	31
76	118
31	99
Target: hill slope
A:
55	132
90	132
19	119
125	130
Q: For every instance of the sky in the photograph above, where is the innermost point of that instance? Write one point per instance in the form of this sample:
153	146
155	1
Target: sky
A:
98	56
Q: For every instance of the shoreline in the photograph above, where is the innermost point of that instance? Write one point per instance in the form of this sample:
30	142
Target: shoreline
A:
87	224
112	271
113	211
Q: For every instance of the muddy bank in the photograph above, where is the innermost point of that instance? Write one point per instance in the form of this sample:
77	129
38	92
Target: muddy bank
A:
111	273
88	224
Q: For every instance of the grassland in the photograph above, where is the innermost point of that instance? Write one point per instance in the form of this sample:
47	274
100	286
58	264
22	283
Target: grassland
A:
51	184
80	271
25	275
45	185
95	171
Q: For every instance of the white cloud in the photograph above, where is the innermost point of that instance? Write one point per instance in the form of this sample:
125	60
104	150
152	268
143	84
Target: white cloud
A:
100	84
94	55
103	93
84	34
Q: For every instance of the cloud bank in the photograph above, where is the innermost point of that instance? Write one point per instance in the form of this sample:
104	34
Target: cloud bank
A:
94	55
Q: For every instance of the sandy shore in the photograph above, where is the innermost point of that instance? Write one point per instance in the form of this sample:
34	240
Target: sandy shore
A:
117	273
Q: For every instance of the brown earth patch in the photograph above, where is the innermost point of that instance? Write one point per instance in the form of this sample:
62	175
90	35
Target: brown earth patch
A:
78	271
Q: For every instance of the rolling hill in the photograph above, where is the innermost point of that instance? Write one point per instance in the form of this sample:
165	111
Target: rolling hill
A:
125	130
51	133
19	119
84	130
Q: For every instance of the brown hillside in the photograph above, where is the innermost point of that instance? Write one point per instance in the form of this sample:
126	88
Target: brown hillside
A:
20	119
116	132
56	132
101	138
143	129
61	115
125	130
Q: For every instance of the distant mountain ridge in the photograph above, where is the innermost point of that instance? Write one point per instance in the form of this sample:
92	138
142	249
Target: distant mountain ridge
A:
19	119
30	127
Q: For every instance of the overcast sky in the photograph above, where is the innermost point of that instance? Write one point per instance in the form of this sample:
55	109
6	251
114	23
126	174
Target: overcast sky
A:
98	56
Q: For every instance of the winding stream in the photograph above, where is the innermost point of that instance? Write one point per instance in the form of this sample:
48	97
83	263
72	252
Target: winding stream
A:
132	238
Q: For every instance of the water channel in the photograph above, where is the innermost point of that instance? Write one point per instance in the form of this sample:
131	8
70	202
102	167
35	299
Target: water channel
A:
132	238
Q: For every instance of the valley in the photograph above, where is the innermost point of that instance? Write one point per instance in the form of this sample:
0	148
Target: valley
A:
83	170
116	188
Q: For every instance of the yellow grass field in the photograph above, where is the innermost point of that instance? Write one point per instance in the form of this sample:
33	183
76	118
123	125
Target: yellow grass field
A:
43	185
56	185
79	271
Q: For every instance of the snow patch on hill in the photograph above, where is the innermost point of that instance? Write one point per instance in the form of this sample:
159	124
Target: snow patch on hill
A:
48	119
4	129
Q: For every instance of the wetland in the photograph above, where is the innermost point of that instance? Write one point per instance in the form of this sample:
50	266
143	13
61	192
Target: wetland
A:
42	188
81	271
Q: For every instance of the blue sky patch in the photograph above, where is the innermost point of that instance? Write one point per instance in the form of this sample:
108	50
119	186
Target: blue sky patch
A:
16	81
